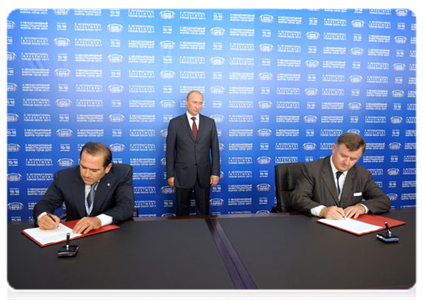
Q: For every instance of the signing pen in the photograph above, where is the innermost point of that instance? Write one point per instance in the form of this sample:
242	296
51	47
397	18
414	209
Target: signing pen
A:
387	229
51	217
67	241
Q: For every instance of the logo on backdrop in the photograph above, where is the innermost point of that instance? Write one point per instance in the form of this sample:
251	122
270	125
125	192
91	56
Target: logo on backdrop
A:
280	85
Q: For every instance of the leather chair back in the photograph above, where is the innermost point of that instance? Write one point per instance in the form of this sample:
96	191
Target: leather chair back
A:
285	180
135	212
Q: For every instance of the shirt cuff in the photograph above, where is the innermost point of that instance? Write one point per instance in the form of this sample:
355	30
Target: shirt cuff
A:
105	219
40	215
365	208
315	211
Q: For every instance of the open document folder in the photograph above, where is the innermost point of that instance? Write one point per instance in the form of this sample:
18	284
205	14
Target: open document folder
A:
47	237
364	224
54	236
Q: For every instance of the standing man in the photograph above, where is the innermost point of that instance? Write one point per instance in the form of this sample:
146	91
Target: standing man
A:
96	191
335	187
192	156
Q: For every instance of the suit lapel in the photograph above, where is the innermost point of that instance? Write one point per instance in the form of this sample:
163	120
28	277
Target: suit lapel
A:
200	118
327	176
101	193
348	186
185	122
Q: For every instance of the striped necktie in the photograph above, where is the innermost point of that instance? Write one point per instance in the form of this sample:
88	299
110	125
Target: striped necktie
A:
90	197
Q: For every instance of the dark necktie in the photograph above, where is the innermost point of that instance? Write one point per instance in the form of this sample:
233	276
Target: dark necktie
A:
194	128
338	174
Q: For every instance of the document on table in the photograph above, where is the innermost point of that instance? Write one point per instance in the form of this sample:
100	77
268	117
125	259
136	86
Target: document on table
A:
351	225
53	236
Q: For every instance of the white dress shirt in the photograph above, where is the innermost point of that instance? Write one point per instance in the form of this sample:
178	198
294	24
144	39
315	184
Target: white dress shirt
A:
197	120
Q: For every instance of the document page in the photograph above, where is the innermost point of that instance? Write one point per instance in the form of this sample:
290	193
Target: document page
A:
50	236
351	225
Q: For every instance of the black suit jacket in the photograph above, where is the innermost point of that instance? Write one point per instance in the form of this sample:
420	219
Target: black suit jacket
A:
114	195
316	186
185	157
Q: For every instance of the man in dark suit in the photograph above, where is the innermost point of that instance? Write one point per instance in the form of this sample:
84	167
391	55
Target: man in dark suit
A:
192	156
335	187
96	191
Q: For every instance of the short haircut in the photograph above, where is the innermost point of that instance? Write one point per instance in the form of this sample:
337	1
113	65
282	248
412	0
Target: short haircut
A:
94	148
192	92
352	141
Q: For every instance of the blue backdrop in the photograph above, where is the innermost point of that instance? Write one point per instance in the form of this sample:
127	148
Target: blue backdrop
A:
280	84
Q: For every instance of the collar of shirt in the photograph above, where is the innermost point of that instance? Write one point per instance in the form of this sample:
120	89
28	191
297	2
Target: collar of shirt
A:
197	120
334	170
88	189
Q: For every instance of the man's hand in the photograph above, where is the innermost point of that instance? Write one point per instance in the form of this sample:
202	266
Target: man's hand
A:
46	222
354	211
214	180
333	213
87	224
171	181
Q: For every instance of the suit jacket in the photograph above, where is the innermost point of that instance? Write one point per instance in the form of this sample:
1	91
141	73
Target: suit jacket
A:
114	195
316	186
187	158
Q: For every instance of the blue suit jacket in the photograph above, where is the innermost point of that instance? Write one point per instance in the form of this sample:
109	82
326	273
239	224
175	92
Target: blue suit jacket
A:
114	195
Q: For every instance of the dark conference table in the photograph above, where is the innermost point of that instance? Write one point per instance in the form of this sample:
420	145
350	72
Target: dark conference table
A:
277	251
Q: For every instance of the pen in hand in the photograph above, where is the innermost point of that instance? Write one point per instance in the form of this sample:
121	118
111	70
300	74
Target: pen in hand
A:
51	217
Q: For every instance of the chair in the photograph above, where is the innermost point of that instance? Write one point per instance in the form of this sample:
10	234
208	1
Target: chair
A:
126	166
285	179
135	212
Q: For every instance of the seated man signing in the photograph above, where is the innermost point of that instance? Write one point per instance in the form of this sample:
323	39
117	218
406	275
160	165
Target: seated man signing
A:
96	191
334	187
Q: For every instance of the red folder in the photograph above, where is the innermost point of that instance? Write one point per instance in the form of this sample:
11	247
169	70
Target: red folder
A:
379	220
372	219
71	224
